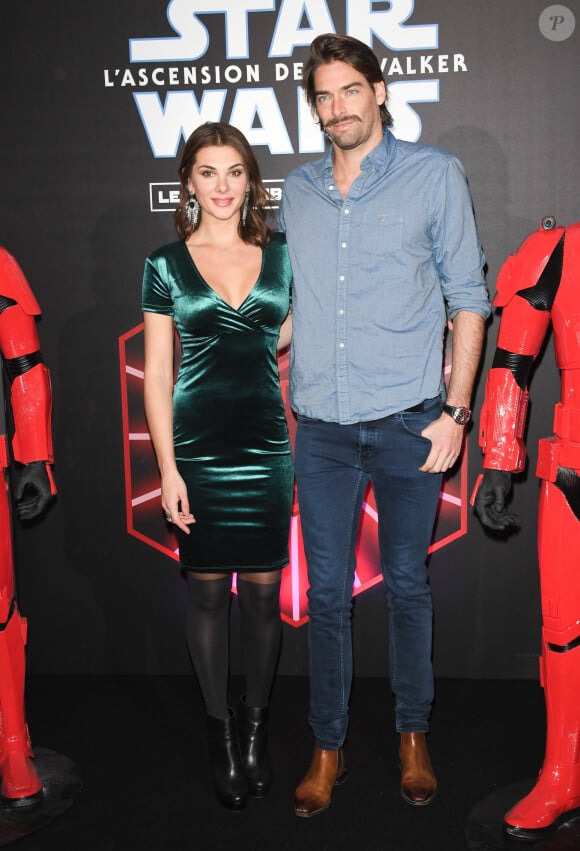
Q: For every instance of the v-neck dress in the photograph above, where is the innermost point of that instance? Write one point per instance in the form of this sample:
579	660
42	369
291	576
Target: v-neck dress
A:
229	428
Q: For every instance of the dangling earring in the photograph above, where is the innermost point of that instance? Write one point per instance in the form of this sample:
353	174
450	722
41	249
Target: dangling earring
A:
245	207
192	210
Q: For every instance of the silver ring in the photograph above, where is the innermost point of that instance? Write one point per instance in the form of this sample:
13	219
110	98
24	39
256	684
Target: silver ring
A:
168	517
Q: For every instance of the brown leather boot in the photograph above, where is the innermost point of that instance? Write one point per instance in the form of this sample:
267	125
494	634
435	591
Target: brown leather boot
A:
418	782
313	795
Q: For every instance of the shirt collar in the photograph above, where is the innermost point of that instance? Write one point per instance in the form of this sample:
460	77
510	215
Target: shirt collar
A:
377	160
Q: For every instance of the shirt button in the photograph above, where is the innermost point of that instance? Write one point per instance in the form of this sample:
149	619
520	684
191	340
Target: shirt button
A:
346	212
344	244
341	345
341	278
341	312
330	188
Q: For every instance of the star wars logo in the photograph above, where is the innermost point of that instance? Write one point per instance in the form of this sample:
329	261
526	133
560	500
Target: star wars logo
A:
174	90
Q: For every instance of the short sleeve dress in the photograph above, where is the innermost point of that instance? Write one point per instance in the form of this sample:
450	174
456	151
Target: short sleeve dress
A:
230	433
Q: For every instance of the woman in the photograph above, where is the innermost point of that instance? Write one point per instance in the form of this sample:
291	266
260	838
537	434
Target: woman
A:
220	436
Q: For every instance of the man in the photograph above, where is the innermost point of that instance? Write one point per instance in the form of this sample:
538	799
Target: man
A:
381	237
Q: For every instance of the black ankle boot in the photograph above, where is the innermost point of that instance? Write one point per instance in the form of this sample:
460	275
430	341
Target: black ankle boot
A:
253	733
230	782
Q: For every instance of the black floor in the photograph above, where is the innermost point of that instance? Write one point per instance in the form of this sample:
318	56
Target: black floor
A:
138	744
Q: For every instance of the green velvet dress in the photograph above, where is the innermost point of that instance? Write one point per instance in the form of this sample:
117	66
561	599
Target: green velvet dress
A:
230	433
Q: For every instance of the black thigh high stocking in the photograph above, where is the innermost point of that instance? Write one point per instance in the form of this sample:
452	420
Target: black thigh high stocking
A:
261	634
208	610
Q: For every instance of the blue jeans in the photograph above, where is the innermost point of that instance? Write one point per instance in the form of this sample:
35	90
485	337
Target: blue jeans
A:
333	465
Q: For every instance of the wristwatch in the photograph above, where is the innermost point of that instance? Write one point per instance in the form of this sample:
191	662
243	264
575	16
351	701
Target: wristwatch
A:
460	415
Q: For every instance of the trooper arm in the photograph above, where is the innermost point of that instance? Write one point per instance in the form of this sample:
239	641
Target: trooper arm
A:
527	286
34	489
503	415
30	391
489	500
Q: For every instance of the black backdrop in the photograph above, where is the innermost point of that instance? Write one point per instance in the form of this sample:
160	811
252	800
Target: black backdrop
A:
78	160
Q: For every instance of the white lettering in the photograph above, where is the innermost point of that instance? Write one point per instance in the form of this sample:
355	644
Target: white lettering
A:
192	40
395	68
167	125
389	25
256	112
261	105
362	21
275	193
310	136
410	65
288	33
233	74
282	72
407	123
128	78
170	198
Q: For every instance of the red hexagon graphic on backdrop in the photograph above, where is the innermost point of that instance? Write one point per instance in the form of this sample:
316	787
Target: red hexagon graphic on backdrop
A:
143	492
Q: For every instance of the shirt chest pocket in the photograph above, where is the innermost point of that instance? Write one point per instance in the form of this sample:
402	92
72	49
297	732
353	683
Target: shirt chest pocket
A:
381	234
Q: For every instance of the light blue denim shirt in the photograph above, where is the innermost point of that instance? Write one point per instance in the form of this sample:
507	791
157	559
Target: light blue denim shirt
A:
373	273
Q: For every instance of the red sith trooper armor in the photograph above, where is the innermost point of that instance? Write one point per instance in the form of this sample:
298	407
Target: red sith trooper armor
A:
537	286
30	400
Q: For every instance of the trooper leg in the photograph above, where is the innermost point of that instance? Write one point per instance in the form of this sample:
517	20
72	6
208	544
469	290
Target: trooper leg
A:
557	790
20	784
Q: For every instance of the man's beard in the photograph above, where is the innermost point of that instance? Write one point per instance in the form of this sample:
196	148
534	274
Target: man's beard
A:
342	143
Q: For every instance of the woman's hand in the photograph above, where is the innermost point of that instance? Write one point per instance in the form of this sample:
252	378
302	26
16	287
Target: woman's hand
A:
175	502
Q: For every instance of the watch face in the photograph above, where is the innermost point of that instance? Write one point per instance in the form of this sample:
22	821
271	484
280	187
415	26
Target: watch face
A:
460	415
